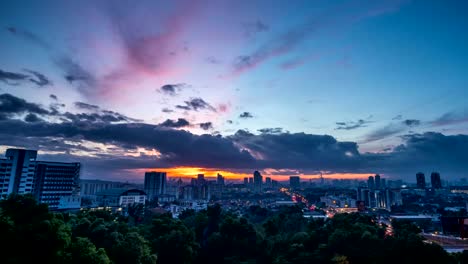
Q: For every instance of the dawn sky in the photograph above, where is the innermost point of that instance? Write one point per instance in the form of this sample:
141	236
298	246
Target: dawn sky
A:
285	87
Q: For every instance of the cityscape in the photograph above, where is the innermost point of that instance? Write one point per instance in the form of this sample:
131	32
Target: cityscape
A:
236	132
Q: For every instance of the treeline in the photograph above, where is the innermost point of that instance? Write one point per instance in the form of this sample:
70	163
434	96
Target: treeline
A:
29	233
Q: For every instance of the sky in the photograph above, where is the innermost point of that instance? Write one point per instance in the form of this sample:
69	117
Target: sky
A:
343	88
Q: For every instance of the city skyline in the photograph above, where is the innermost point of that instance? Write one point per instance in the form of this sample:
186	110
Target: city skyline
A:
344	88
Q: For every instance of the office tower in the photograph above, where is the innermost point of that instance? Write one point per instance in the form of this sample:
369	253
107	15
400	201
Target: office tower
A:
201	178
420	180
220	179
377	182
258	180
370	183
268	182
383	183
246	181
251	181
17	171
155	184
294	182
436	183
274	184
55	180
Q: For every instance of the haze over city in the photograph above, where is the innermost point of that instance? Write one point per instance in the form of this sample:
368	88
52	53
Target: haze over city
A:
344	88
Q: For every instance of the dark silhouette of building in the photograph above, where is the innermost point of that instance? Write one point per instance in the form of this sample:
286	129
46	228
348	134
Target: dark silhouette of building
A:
371	183
436	183
420	180
246	181
377	182
294	182
220	180
268	182
155	184
258	180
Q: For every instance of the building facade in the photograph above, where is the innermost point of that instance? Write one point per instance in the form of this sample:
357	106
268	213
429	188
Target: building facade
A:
155	184
54	180
48	182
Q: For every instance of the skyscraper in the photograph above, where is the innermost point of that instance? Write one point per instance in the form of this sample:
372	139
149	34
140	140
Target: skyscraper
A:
436	183
246	181
370	183
377	182
268	182
294	182
220	179
420	180
155	184
258	180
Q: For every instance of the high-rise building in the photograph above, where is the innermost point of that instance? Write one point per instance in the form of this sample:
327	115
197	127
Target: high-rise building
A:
377	182
17	171
49	182
383	183
420	180
436	183
294	182
258	180
274	184
268	182
251	181
201	179
155	184
54	180
220	180
371	183
246	181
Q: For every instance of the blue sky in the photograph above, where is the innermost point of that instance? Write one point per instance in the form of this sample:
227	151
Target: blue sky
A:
370	72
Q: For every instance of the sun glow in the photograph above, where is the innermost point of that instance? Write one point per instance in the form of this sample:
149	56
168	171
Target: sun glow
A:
192	172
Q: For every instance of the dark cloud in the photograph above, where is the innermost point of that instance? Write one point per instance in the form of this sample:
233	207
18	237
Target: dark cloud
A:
412	122
181	122
352	125
86	106
398	117
273	130
299	150
32	118
451	118
246	115
229	121
53	96
196	104
206	126
172	89
177	147
427	152
12	78
166	110
12	105
74	73
40	79
384	132
253	28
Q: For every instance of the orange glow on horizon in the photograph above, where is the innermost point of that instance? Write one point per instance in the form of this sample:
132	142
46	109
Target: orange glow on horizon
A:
192	172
